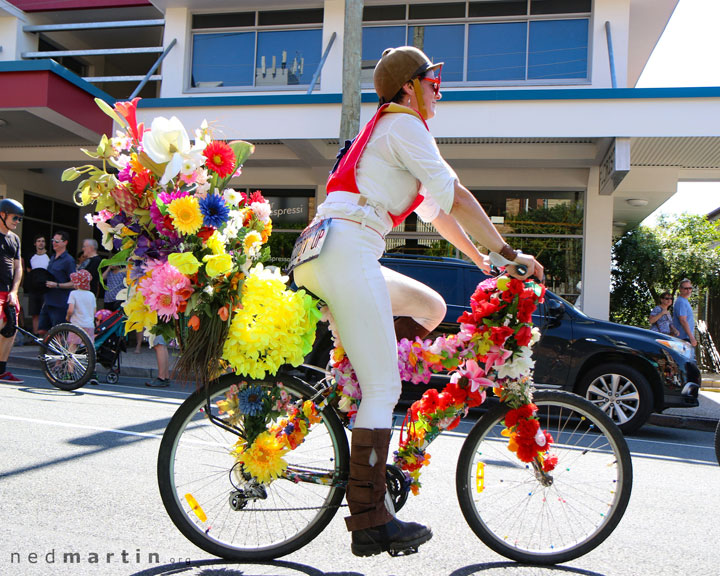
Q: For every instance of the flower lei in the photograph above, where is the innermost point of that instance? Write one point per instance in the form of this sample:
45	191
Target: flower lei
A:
492	350
193	247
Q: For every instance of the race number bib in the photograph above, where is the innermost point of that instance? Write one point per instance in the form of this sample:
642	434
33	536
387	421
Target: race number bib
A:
310	243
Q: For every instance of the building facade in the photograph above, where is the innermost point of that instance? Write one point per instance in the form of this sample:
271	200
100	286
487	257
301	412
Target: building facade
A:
540	116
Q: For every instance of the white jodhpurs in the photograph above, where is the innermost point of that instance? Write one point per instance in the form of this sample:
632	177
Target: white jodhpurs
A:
363	297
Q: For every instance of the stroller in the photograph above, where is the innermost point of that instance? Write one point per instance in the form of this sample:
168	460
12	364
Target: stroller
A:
110	342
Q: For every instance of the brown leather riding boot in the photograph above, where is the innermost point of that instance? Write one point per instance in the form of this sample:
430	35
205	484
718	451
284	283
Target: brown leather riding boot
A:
406	327
366	486
374	529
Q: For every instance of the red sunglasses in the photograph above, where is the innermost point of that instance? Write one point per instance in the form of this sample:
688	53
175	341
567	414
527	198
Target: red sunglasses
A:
435	84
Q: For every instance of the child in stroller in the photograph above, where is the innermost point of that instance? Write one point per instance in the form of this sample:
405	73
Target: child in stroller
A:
110	341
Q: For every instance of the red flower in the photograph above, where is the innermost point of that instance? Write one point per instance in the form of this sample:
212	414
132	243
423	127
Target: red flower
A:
220	158
205	232
522	413
550	463
526	430
128	111
515	286
526	307
475	398
141	182
458	393
254	197
445	400
484	309
498	334
523	336
526	453
455	422
429	401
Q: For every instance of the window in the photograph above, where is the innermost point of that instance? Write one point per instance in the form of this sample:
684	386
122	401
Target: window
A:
486	42
45	216
279	49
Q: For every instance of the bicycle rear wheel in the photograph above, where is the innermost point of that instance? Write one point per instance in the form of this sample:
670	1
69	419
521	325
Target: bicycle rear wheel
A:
234	517
68	357
520	517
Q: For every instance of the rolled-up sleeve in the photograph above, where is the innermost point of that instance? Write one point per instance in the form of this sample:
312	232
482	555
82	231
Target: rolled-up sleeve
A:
413	146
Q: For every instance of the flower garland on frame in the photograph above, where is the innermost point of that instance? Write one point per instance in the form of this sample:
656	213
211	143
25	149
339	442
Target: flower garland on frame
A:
491	351
193	247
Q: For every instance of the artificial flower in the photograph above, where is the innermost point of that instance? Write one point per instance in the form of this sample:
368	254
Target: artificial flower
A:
184	262
264	459
216	264
250	400
214	210
185	211
220	158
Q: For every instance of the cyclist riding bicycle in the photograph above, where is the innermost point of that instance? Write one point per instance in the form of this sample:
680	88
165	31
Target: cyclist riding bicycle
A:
393	167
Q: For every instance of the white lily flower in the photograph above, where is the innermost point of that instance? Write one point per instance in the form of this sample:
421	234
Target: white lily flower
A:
167	141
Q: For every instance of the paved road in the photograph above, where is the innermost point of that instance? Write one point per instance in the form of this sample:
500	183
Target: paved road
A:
77	475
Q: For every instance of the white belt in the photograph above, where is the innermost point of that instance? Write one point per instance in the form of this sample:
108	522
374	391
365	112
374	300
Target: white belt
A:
372	212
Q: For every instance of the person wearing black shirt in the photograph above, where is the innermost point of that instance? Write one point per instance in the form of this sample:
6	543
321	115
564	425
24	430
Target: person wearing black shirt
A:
56	298
11	214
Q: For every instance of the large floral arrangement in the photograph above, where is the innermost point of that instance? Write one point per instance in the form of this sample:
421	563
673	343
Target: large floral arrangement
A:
491	351
193	247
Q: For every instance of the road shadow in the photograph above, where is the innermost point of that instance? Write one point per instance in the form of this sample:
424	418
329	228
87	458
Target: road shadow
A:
218	567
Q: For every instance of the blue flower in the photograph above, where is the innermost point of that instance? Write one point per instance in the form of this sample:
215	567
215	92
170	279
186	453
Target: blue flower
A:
214	210
250	401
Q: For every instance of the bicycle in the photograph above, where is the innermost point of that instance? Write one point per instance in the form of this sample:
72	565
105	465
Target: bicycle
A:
67	355
519	510
717	442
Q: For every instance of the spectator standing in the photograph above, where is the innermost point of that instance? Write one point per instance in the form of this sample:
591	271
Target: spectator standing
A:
90	262
661	316
683	317
61	265
37	275
163	362
11	214
81	303
114	278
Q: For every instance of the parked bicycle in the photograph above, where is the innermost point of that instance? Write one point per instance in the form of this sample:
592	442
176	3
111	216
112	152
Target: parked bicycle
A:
66	355
520	510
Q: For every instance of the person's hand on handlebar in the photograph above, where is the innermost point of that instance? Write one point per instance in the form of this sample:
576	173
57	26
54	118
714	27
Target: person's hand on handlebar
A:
534	268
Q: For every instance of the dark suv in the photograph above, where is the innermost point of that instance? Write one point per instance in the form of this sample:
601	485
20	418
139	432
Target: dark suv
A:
629	372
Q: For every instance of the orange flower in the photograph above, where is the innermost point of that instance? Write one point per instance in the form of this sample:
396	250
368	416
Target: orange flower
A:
224	313
194	323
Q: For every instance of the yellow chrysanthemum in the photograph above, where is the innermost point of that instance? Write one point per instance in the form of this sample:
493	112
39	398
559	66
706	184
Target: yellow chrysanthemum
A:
186	214
264	459
275	326
184	262
252	242
217	264
215	243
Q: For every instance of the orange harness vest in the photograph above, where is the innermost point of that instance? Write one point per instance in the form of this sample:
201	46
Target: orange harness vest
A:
343	176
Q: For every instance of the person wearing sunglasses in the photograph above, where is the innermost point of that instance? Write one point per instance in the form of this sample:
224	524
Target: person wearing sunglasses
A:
11	214
683	317
61	266
392	168
661	316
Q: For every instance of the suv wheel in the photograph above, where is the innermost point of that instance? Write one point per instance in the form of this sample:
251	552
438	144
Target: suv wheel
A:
621	392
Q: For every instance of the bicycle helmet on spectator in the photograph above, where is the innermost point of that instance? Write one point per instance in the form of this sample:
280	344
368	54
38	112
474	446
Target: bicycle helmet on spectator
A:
398	66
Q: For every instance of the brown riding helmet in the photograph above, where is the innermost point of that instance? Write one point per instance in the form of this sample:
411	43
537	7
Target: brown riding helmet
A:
398	66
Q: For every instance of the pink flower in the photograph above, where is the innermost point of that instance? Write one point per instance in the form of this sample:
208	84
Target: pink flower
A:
474	374
165	290
496	357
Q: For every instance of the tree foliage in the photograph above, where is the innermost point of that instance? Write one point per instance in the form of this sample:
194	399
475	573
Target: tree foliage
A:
650	260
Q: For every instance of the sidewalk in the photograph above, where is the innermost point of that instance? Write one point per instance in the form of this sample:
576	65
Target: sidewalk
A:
143	365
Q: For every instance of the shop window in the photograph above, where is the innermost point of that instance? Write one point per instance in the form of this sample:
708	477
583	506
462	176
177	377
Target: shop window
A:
45	216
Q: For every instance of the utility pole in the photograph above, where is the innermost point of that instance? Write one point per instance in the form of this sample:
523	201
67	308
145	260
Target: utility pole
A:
352	54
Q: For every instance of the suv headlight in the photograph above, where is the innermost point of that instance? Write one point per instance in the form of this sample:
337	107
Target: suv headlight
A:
682	348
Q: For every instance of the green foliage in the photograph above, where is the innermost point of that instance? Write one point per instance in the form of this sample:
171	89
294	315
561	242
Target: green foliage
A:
649	260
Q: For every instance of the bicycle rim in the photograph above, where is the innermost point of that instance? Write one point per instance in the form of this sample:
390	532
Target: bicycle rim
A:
68	358
200	490
515	514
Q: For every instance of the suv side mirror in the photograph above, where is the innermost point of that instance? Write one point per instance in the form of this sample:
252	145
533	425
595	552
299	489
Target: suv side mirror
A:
555	310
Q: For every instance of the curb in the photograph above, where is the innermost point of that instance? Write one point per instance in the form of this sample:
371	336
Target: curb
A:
132	371
687	422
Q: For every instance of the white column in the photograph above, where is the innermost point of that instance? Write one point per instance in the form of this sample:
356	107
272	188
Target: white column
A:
597	243
334	21
175	66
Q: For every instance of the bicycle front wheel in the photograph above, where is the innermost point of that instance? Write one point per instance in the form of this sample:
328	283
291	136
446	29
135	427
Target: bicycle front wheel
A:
67	357
231	515
546	520
717	443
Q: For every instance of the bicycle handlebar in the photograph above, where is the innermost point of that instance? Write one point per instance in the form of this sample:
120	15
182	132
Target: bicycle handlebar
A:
501	262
